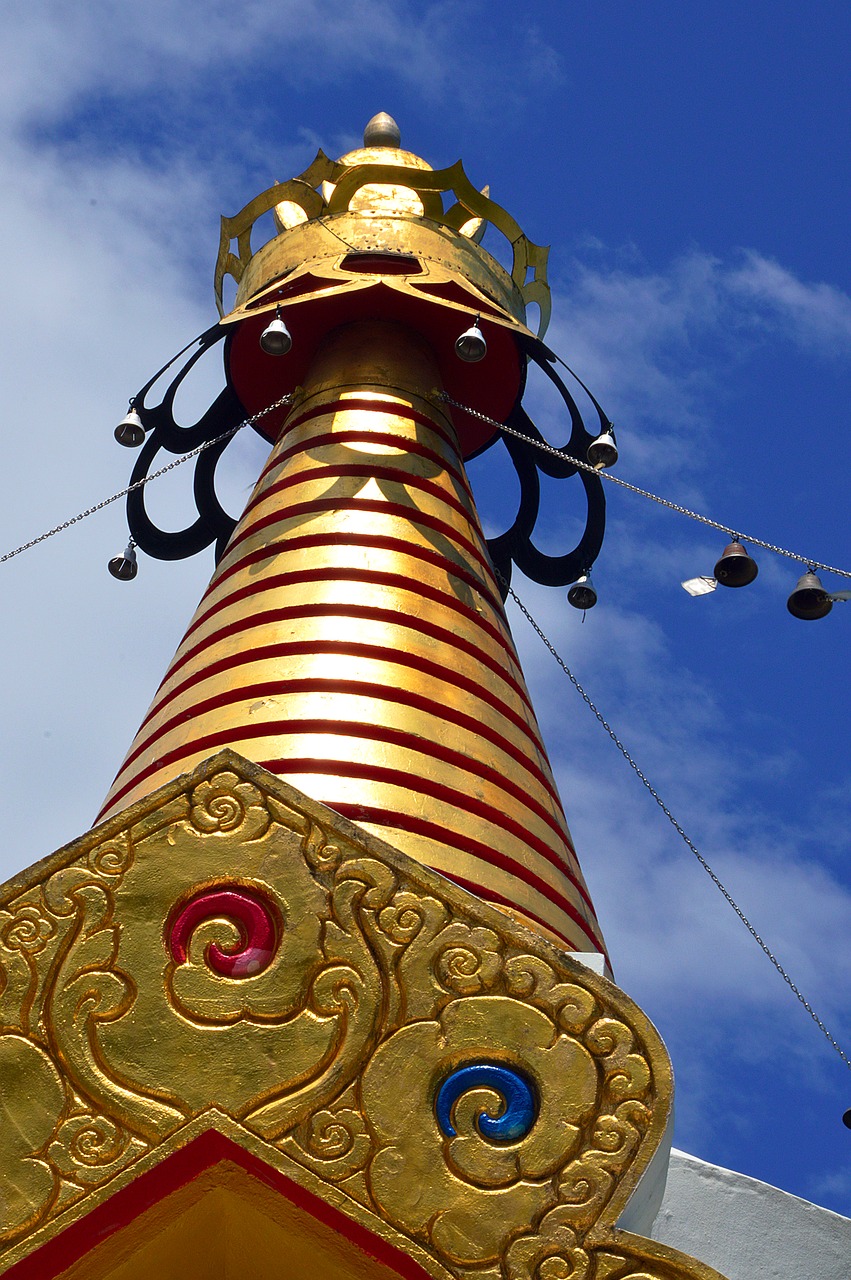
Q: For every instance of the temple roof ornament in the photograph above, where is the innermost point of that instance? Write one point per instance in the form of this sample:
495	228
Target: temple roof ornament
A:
229	995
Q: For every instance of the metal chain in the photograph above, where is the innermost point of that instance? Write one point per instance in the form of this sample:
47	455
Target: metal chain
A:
645	493
719	885
138	484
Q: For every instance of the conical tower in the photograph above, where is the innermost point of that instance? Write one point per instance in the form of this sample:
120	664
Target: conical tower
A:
249	1022
353	638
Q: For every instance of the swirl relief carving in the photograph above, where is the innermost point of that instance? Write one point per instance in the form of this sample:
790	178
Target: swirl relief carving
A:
228	949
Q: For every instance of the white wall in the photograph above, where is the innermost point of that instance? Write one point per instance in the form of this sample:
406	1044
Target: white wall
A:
748	1230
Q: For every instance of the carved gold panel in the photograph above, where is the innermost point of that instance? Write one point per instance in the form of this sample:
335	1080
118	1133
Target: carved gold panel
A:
438	1069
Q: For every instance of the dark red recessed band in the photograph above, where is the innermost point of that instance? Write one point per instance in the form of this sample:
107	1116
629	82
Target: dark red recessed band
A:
347	768
405	411
388	438
497	898
369	507
372	772
371	541
268	616
467	764
297	684
362	471
446	795
373	578
352	611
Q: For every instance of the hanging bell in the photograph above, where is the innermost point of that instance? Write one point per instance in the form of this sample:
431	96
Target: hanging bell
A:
276	339
582	594
735	568
124	567
809	600
603	452
130	432
471	346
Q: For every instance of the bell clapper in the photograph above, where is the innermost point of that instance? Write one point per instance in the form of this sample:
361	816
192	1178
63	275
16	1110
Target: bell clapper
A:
471	345
582	594
125	567
276	339
131	430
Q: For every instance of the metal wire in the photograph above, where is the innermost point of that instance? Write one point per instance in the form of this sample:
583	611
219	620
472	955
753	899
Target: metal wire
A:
138	484
730	530
719	885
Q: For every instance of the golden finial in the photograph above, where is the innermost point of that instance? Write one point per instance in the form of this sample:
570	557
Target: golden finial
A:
382	131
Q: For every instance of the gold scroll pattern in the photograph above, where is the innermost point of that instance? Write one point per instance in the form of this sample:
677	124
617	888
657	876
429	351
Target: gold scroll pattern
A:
227	943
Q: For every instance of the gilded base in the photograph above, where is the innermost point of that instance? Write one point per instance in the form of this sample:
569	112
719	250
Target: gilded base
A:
440	1075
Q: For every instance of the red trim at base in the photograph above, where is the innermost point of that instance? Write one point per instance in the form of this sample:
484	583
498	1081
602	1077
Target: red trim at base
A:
175	1171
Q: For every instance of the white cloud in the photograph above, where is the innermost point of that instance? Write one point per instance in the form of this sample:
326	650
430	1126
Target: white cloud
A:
814	315
642	335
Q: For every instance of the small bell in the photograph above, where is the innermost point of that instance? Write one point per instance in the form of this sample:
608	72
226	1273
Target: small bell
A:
603	452
471	346
582	594
124	567
130	432
735	568
809	600
276	339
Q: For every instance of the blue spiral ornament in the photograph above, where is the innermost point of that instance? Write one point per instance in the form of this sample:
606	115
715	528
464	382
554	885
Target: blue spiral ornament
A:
519	1101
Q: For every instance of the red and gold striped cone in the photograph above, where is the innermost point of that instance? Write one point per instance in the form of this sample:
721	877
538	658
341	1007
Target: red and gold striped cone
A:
353	641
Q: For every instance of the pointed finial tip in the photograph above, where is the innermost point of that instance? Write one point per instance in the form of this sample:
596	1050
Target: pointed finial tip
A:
382	131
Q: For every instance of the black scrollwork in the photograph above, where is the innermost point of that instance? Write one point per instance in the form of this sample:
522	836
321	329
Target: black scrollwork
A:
515	546
213	524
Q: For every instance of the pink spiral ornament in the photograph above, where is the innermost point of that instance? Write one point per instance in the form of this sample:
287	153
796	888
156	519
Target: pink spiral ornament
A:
253	914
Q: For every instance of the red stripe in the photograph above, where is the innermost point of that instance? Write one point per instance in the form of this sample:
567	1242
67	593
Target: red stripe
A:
461	801
409	514
304	684
421	826
330	438
362	576
378	541
413	742
281	649
362	471
341	611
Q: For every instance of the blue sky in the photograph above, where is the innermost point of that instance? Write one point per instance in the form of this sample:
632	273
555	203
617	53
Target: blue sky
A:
689	165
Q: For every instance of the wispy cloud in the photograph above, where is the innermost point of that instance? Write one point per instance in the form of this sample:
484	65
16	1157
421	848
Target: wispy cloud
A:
645	335
814	315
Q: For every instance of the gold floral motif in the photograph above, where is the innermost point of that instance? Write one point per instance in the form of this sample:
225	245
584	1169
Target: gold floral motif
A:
333	1143
226	804
26	929
382	981
464	1194
112	858
90	1149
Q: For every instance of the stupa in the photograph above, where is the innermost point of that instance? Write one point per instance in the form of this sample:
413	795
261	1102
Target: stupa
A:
324	988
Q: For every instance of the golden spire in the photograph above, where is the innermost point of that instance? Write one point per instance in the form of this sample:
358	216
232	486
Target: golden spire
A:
353	639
